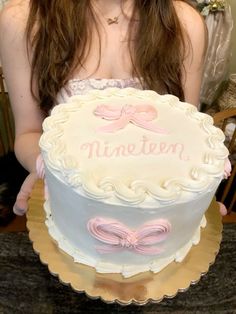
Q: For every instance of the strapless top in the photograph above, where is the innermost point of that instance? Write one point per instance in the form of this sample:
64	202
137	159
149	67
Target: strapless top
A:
80	87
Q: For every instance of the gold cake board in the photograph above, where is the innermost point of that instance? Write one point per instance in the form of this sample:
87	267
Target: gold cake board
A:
139	289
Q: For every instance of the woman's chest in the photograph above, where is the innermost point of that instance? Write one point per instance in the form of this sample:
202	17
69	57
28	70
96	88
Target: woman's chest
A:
107	56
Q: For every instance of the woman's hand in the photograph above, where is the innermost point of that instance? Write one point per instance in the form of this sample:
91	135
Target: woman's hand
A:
227	173
223	209
21	204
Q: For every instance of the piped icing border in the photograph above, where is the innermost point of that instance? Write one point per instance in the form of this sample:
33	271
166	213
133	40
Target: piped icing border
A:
126	270
206	176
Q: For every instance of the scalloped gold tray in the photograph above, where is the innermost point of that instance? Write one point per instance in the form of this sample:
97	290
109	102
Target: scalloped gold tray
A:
139	289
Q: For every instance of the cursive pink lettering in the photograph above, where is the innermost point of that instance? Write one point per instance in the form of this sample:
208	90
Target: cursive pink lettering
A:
144	141
93	149
131	149
163	148
145	147
119	151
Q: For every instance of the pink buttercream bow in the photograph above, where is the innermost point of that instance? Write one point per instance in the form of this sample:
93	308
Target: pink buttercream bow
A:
141	116
117	236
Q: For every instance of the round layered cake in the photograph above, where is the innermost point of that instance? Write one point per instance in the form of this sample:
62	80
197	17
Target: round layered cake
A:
130	174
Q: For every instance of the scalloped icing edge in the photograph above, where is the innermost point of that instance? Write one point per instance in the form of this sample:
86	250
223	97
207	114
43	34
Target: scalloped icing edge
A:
126	270
198	184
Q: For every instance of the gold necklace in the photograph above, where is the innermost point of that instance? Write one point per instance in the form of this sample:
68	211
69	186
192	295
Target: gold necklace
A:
114	20
109	20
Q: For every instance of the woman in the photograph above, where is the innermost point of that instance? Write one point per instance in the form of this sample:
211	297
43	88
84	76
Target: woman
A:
50	46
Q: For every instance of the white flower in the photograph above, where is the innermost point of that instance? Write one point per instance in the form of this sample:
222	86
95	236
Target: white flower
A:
205	11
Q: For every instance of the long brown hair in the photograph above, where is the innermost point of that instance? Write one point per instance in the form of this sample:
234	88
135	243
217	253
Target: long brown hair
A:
58	34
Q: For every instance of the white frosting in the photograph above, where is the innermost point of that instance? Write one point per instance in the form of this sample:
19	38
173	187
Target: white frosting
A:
127	270
133	175
73	125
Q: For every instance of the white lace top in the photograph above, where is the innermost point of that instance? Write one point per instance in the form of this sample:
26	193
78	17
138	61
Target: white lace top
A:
80	87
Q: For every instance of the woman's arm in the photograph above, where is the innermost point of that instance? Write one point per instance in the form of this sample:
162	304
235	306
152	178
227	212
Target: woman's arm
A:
27	115
196	44
16	68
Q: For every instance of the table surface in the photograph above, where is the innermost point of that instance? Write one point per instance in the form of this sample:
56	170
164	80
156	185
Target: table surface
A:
26	286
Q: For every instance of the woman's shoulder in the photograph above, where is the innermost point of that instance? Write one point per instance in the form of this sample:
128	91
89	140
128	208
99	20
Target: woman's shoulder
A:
193	23
189	17
13	16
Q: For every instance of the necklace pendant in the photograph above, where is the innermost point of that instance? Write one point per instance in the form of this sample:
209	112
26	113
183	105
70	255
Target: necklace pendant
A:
113	21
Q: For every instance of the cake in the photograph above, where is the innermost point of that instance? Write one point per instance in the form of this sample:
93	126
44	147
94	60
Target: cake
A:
130	174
